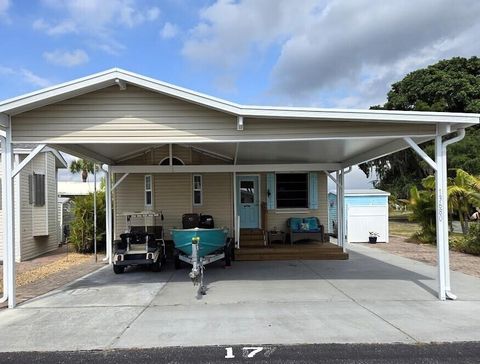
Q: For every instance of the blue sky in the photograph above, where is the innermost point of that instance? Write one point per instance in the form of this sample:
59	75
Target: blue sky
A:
324	53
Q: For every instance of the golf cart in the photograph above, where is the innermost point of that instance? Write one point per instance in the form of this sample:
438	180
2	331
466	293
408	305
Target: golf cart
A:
140	245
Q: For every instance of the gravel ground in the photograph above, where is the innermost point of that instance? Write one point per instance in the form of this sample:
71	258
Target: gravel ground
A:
47	265
465	263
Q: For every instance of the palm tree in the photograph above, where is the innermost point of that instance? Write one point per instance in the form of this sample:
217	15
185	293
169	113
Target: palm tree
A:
421	205
463	192
82	166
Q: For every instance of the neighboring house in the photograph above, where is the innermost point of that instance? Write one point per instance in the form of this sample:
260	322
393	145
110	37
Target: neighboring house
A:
36	221
366	210
67	191
170	149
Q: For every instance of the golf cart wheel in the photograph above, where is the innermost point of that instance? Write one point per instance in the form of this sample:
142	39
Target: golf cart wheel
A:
118	269
178	262
163	262
228	256
156	266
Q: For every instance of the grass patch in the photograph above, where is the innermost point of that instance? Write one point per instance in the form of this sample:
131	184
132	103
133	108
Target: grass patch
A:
405	229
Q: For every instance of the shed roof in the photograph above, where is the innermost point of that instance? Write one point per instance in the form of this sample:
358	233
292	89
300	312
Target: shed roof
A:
363	192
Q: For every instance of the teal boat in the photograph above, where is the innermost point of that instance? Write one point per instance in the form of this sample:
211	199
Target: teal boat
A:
210	240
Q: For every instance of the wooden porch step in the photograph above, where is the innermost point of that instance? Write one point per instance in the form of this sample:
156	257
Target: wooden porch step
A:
324	251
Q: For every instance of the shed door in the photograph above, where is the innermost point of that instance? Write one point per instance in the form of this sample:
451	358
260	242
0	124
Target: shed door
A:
248	201
363	219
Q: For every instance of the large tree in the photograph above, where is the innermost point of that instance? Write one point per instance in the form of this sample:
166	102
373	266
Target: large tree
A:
447	86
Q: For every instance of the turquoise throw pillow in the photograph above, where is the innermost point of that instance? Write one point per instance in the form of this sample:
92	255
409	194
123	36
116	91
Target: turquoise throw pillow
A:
312	223
295	223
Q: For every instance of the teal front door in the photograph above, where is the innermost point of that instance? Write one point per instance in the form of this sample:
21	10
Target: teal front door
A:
248	202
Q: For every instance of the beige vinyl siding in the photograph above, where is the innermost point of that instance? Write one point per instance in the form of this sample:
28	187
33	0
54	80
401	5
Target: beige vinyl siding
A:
116	115
172	195
278	218
217	198
139	115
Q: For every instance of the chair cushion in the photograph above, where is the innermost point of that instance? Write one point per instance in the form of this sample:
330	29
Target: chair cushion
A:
295	223
312	223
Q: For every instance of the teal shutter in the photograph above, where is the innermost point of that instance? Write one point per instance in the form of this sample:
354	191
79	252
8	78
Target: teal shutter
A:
313	190
271	191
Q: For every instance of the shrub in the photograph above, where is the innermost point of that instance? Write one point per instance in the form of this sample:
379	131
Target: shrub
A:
470	243
81	228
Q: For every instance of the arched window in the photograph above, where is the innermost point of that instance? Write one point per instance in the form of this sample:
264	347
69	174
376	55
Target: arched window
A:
175	161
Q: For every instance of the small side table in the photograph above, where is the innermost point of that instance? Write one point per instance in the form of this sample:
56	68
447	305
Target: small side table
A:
276	236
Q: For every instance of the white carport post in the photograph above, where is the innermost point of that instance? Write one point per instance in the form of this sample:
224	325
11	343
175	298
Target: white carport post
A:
441	205
340	208
5	224
108	214
7	194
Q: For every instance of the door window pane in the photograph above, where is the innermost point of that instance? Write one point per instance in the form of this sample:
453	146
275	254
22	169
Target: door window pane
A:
247	192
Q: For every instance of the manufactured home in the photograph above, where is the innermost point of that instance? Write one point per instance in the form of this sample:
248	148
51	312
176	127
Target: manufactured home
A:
169	151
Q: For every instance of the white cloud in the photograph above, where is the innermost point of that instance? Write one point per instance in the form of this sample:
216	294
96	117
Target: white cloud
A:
66	58
169	31
337	52
24	75
63	27
229	30
33	79
97	19
4	7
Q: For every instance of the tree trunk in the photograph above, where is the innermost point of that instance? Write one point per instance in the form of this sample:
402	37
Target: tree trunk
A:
84	175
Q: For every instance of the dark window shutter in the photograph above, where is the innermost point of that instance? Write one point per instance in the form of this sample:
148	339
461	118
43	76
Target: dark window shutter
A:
39	185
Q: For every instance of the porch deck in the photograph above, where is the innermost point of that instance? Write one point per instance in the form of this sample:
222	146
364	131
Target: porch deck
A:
298	251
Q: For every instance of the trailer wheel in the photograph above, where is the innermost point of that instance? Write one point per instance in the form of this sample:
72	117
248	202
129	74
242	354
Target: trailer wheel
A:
228	257
118	269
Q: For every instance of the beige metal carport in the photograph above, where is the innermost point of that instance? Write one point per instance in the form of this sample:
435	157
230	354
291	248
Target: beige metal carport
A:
113	115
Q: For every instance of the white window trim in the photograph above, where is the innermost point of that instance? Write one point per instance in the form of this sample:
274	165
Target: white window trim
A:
197	189
148	190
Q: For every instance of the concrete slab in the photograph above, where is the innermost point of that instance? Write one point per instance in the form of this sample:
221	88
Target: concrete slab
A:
106	289
282	281
258	323
374	297
433	321
54	329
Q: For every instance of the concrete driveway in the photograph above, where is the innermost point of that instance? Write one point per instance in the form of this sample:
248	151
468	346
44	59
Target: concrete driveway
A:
374	297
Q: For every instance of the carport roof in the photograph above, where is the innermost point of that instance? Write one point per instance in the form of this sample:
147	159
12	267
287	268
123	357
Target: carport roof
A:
118	76
344	148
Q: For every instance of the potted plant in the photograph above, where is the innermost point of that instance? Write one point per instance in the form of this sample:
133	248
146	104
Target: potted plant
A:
372	239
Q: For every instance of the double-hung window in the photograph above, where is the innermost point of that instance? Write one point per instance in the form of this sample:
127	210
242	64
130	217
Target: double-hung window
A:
292	190
197	190
148	191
